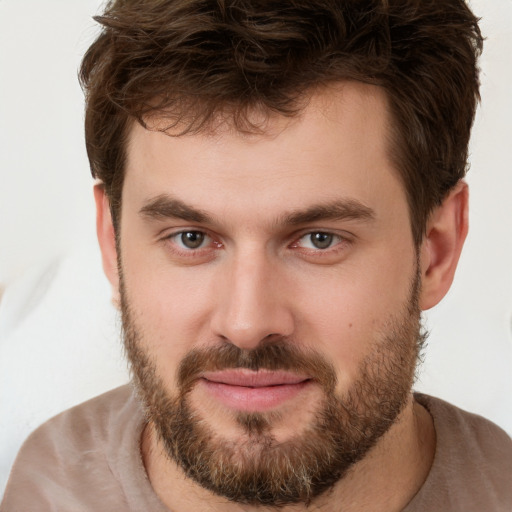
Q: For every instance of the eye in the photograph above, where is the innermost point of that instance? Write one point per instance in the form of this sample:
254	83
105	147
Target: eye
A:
191	239
319	240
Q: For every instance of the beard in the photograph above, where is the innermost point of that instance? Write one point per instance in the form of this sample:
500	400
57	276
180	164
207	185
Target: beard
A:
255	468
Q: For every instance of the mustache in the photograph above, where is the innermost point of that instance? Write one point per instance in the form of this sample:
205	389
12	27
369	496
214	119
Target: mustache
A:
275	355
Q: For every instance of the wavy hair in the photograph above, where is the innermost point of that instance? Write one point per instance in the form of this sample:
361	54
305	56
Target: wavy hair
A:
186	61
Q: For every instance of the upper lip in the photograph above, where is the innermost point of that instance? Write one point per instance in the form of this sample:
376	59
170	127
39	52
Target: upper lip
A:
254	379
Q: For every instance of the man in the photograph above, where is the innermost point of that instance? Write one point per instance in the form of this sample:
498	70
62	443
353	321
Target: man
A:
280	195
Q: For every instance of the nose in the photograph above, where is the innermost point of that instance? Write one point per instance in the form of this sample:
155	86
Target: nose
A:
252	305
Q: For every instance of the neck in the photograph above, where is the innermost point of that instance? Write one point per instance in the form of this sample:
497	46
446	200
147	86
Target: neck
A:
386	479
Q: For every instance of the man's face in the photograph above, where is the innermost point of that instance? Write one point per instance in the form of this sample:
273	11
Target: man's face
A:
269	294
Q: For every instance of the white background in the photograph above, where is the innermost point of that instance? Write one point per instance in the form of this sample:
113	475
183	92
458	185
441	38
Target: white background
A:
58	333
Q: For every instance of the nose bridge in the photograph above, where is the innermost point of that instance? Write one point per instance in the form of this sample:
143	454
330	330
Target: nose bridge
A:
252	305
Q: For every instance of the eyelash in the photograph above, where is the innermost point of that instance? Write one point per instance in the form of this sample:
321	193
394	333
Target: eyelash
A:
310	234
339	243
173	239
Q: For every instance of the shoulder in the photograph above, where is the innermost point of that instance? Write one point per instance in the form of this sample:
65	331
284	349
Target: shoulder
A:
83	426
472	468
457	429
72	452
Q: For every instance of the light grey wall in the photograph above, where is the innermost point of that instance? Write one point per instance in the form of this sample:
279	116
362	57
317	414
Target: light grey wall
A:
45	197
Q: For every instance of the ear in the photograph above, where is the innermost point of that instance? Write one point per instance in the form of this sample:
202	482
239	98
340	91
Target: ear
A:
107	239
447	228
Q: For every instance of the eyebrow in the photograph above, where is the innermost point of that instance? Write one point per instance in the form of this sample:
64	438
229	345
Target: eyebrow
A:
341	209
167	207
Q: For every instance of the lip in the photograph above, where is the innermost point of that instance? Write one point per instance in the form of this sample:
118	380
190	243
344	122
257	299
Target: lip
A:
253	391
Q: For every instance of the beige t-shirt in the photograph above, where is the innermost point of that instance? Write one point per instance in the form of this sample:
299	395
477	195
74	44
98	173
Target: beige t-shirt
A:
88	459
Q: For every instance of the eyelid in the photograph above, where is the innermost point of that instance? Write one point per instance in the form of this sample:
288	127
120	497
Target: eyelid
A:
172	236
329	256
333	240
340	236
342	240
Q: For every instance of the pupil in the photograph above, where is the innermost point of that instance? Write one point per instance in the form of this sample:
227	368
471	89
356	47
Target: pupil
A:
192	239
321	240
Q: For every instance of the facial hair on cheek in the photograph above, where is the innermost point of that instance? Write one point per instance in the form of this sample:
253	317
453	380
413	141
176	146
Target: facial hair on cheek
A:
255	469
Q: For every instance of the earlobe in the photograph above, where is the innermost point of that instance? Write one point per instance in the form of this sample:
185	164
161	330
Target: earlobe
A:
441	248
107	240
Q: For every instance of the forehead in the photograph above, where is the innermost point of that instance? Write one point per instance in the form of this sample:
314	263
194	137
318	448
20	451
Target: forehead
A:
335	148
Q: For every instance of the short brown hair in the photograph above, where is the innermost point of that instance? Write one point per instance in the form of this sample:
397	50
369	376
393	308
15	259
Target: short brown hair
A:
188	60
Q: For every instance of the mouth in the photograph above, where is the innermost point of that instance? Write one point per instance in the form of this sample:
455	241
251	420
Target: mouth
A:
254	391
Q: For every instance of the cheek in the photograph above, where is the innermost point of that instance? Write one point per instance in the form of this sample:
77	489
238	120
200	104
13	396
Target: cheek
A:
168	303
169	307
346	318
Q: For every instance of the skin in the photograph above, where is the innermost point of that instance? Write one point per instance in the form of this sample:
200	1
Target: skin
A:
258	274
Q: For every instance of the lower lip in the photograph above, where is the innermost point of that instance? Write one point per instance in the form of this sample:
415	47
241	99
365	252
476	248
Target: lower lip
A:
257	399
